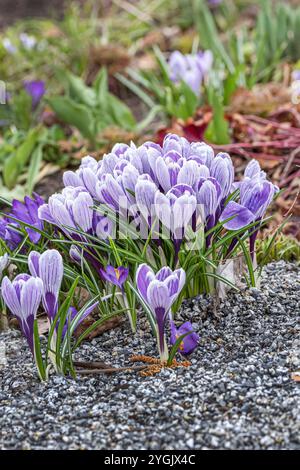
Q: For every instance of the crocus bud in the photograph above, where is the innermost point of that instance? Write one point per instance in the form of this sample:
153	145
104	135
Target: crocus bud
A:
222	170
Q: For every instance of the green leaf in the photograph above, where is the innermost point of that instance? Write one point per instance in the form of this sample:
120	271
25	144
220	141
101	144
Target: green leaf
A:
218	129
121	114
100	86
79	91
37	352
34	167
175	347
61	318
75	114
15	163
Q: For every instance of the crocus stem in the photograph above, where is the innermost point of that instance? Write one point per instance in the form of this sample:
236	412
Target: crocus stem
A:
161	340
252	244
126	305
177	244
209	224
252	239
231	246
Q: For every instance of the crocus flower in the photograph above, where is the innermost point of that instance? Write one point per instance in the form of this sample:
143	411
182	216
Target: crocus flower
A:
176	208
223	171
189	342
9	233
3	263
73	209
36	89
116	276
49	268
296	75
27	212
190	68
159	292
255	197
23	297
8	46
214	3
27	41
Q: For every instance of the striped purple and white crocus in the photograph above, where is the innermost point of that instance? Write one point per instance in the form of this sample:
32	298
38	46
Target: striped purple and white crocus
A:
163	184
49	268
159	291
23	296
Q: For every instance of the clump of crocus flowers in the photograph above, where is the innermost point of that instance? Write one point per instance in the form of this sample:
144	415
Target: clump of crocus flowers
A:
164	194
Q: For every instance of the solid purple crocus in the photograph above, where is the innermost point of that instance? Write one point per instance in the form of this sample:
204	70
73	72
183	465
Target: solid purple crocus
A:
214	3
189	342
159	292
36	89
116	276
26	212
23	296
49	268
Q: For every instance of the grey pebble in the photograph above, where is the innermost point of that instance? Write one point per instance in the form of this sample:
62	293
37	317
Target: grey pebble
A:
237	394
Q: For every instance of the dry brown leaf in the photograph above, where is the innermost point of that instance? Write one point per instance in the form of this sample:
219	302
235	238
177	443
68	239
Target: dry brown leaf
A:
296	376
108	325
43	324
261	99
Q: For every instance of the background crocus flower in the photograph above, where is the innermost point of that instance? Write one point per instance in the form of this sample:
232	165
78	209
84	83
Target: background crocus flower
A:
189	342
36	89
8	46
214	3
190	68
49	268
27	41
116	276
159	292
23	296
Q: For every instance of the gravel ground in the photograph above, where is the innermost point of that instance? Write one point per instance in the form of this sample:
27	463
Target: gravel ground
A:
238	393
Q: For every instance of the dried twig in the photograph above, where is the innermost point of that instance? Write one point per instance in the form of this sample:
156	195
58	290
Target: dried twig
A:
110	370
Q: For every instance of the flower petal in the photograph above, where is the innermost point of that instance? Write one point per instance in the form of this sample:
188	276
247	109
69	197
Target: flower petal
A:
241	216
